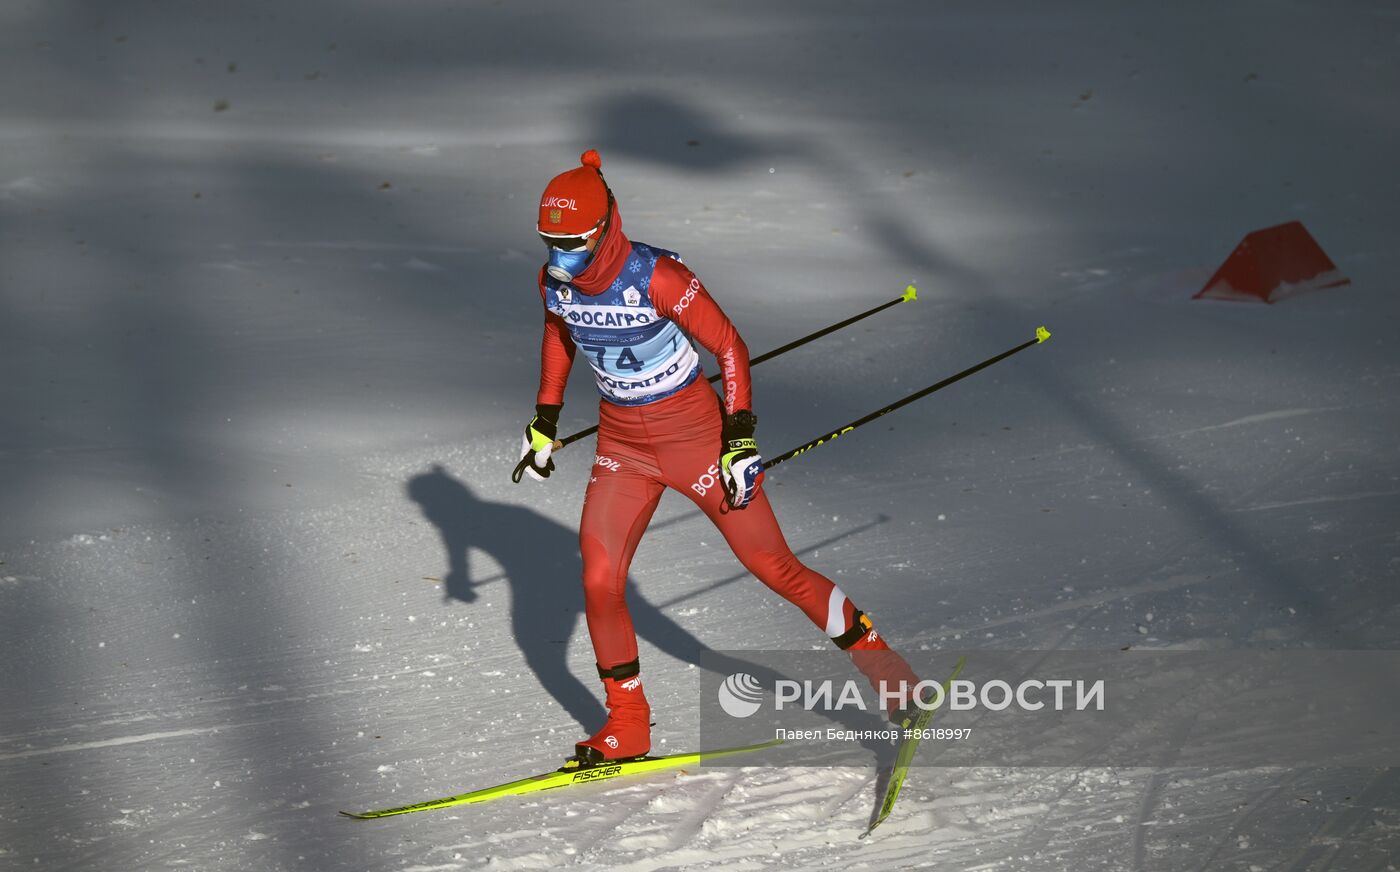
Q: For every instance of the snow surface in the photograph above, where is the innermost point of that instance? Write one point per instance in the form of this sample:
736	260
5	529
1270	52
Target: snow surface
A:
268	333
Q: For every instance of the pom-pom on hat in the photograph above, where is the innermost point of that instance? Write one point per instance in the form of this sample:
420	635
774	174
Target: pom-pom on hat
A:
574	202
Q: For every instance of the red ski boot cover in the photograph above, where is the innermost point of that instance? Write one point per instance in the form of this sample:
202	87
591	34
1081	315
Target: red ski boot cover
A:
628	730
888	673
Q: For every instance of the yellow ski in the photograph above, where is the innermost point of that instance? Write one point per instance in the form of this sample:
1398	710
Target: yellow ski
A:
564	777
905	755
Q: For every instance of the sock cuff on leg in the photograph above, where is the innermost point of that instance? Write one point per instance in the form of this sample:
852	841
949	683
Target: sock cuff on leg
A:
622	670
859	627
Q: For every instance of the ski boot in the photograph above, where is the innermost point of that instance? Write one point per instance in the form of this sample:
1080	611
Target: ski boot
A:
881	665
627	733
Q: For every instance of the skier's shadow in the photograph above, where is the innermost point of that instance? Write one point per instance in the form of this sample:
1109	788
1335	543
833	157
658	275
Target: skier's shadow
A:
543	566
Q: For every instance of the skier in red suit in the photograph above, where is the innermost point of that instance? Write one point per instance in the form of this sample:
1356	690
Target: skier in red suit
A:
633	310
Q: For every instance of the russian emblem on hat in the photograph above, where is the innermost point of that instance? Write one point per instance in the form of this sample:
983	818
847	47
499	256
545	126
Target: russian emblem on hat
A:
556	216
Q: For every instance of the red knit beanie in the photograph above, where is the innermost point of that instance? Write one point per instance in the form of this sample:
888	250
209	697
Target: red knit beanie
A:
575	201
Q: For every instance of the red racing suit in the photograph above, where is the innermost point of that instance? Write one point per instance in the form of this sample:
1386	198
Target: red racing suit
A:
662	429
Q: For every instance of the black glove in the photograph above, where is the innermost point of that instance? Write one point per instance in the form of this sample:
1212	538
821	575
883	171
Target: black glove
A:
538	443
740	466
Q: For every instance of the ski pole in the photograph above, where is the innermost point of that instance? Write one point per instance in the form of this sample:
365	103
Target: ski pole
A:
1041	334
910	293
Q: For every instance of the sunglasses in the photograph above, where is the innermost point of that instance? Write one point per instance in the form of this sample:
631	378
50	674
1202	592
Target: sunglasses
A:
568	243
